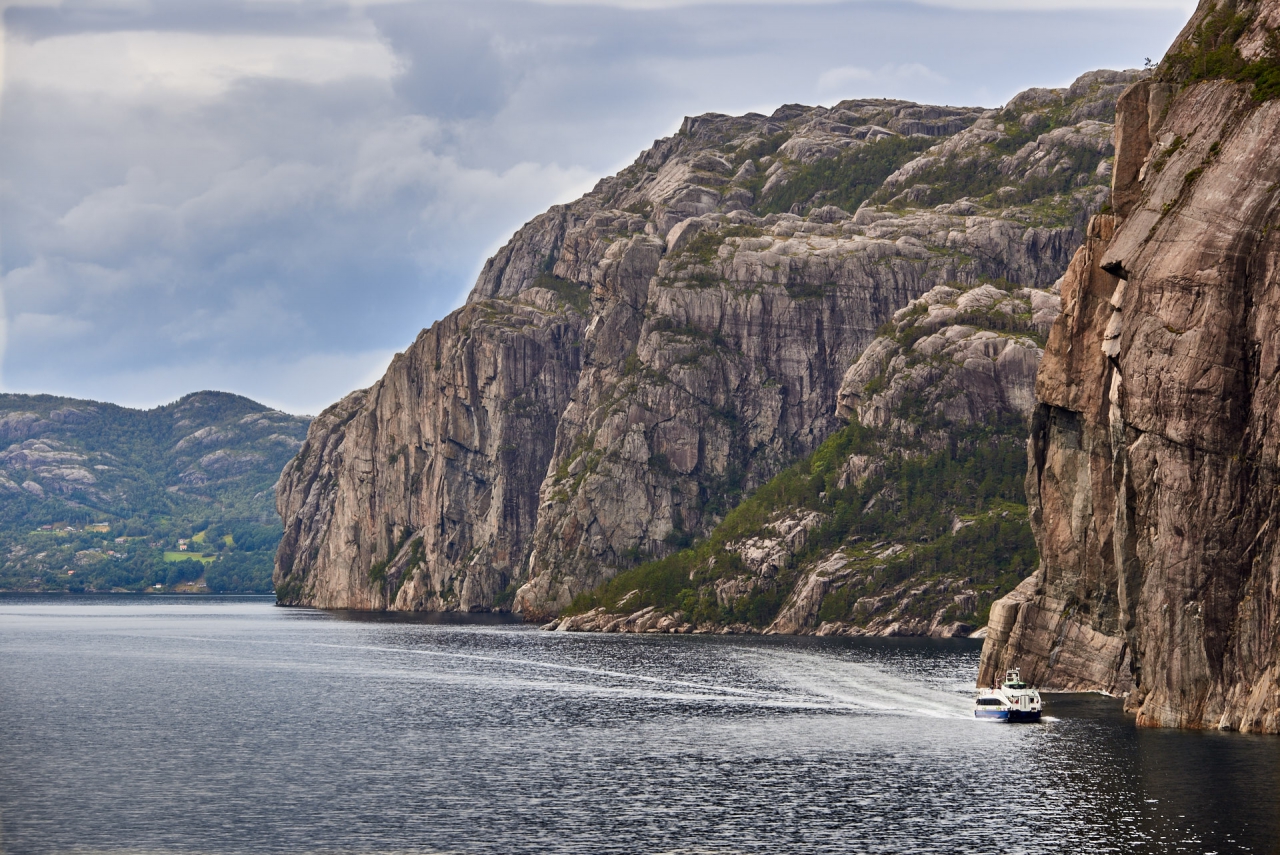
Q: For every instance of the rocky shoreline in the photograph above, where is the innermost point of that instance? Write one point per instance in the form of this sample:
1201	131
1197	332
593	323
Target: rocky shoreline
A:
652	620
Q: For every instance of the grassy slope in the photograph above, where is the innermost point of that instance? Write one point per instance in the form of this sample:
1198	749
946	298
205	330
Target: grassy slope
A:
980	481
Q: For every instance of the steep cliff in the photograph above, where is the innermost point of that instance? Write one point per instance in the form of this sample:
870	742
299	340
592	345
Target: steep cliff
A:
421	492
1153	463
910	521
630	365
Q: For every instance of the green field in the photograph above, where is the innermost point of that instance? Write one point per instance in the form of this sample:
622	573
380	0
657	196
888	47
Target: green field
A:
182	556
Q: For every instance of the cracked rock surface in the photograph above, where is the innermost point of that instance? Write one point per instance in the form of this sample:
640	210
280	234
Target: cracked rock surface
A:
952	361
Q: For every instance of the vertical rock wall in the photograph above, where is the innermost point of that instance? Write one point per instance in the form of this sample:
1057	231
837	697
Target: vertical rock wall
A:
422	491
1063	624
1155	448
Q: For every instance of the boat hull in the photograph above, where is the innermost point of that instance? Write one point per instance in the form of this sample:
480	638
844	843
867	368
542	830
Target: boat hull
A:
1007	715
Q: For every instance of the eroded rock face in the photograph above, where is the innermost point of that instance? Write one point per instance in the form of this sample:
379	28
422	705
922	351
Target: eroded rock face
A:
958	374
1075	623
955	360
1154	450
421	492
963	371
647	354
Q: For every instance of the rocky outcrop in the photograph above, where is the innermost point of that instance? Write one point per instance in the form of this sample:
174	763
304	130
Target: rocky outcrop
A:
650	353
647	620
954	371
1153	481
421	492
945	369
970	357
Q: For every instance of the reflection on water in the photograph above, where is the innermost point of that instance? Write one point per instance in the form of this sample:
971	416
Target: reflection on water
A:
227	725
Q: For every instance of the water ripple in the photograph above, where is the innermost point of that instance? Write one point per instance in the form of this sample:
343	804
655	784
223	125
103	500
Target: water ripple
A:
169	725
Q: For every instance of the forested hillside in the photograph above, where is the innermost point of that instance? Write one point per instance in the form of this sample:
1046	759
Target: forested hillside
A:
98	497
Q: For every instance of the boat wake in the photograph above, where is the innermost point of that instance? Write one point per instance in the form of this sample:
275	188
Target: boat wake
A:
840	684
729	675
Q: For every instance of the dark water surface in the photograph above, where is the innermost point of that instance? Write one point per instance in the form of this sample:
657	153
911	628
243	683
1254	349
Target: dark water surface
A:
226	725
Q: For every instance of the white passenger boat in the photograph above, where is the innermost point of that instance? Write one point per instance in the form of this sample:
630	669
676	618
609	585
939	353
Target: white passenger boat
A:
1014	700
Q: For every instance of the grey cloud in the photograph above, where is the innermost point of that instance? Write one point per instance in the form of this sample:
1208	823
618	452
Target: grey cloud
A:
455	69
280	238
260	247
229	17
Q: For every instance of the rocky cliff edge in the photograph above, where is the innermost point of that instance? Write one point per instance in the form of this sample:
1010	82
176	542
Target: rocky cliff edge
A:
1153	457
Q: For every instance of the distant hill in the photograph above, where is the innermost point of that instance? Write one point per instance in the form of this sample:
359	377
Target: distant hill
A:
98	497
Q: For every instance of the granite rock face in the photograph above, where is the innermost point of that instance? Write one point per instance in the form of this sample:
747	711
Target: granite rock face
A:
1154	448
954	368
420	493
918	393
1072	503
630	364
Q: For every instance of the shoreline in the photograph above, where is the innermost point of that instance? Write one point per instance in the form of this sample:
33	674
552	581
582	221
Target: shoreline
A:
650	620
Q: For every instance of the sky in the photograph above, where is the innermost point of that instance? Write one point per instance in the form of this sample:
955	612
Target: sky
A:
272	197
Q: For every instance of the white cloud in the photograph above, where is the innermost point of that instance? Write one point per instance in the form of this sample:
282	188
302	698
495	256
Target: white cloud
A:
401	156
348	243
834	78
663	5
4	335
132	63
1185	6
984	5
51	330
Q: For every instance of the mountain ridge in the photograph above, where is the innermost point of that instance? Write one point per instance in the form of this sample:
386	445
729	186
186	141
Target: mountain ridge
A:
631	364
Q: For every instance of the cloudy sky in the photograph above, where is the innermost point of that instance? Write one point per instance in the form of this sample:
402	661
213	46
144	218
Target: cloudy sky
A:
271	197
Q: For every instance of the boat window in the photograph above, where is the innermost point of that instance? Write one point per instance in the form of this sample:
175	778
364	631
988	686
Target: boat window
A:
988	702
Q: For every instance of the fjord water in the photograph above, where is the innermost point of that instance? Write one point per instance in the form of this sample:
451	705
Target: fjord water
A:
227	725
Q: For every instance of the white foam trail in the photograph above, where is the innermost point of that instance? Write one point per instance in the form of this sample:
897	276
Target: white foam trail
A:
797	680
713	688
556	666
863	686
